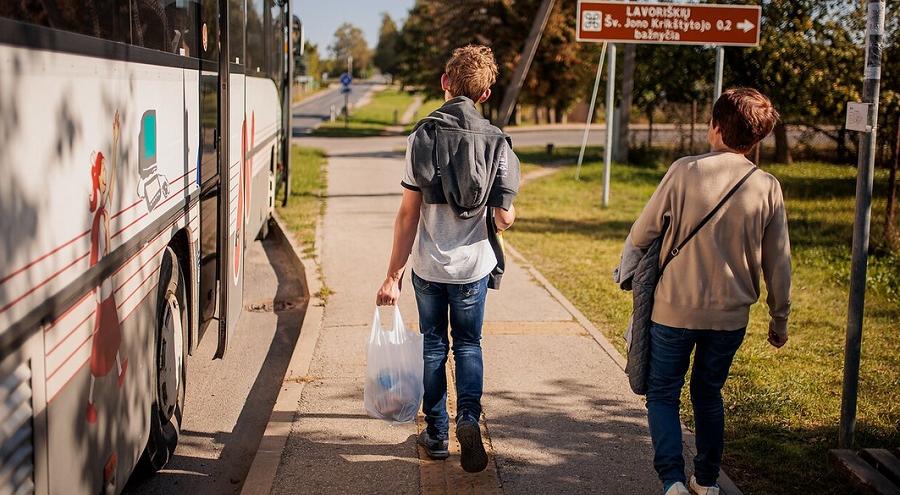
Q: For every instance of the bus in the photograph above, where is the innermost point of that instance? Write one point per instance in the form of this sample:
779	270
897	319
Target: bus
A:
140	142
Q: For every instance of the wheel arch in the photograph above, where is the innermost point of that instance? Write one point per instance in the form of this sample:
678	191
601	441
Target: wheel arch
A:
181	246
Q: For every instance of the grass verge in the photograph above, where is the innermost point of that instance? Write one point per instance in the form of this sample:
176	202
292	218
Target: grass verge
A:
371	119
783	406
306	202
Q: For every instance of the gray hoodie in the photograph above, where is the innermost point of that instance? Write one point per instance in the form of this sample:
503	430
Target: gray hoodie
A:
456	160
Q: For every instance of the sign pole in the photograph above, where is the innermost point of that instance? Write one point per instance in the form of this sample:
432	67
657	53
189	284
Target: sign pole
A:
862	221
610	99
590	115
720	66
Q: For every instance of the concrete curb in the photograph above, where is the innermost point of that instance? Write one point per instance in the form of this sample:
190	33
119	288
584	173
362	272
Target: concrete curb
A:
262	472
728	487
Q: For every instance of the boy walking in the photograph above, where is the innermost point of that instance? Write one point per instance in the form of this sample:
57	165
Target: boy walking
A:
460	181
703	298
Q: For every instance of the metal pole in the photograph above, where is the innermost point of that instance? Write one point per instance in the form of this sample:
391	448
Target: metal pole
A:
720	66
528	51
590	115
865	169
610	99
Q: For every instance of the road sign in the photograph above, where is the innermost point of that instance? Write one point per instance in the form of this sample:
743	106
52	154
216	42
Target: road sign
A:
346	79
668	23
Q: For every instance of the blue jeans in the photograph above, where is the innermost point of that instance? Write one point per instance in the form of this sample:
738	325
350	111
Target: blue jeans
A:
670	354
465	305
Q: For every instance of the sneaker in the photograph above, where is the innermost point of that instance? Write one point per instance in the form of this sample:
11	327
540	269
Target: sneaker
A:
435	448
473	458
677	488
698	489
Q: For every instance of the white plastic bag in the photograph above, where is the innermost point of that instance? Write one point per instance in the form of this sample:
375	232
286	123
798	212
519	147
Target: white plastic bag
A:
394	370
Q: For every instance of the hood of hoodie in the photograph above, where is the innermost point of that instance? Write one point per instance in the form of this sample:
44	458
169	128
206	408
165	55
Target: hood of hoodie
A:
455	156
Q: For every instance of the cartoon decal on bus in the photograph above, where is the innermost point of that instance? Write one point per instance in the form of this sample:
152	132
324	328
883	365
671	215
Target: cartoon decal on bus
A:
107	333
152	186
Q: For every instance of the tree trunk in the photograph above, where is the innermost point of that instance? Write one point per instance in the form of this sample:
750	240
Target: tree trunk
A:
535	115
621	148
842	145
892	193
782	145
650	129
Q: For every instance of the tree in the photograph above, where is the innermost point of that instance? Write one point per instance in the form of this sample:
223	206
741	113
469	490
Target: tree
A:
310	63
386	51
350	42
808	63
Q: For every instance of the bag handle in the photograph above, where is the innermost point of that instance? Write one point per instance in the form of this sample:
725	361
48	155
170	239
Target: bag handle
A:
376	323
676	250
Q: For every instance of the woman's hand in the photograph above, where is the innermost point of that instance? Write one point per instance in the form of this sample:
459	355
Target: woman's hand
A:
389	293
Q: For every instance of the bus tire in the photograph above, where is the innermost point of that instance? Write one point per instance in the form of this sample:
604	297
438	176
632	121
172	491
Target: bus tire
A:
170	373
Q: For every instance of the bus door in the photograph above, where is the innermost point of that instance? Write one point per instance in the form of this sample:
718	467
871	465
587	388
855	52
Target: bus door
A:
221	234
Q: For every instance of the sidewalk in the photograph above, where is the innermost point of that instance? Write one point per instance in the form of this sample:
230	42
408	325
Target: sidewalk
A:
560	415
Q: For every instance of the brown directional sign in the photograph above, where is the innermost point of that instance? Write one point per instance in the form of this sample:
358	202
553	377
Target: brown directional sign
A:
668	23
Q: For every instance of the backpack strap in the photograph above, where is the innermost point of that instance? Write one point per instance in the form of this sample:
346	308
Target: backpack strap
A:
676	250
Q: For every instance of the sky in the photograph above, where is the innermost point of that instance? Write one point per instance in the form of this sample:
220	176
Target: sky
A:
321	18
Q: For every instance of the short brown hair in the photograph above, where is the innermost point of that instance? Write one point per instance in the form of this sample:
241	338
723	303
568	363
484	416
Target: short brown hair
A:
471	70
744	117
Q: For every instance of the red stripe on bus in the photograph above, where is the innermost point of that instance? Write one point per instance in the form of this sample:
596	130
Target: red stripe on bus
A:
38	260
75	328
136	289
136	220
75	373
44	282
173	181
66	360
66	312
115	215
140	267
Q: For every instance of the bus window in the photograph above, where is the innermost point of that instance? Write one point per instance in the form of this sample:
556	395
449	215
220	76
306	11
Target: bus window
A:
107	19
150	25
236	31
256	49
276	50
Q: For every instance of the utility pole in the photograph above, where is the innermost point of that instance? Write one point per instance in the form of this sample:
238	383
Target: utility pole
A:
590	115
862	222
518	78
720	67
610	103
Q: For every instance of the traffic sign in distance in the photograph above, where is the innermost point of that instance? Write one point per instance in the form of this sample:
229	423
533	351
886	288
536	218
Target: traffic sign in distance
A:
346	79
668	23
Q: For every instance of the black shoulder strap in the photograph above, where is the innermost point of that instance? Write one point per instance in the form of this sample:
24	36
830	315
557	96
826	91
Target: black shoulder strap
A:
674	252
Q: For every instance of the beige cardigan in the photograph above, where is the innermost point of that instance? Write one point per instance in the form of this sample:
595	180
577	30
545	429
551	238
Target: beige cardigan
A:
714	280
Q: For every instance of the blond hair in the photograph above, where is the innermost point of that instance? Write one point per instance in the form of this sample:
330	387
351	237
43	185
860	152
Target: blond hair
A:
471	71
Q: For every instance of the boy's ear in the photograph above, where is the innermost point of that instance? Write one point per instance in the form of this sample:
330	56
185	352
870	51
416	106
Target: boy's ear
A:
445	82
484	96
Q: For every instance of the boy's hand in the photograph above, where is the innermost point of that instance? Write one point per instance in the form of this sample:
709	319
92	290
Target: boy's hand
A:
389	293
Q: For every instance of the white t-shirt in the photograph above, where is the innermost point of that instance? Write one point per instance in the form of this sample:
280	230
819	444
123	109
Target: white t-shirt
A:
449	249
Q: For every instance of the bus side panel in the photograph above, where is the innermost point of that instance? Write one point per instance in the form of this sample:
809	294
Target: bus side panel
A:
238	188
264	113
192	161
94	177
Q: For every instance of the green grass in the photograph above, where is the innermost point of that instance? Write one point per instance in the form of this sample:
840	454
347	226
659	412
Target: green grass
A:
371	119
428	106
783	406
306	202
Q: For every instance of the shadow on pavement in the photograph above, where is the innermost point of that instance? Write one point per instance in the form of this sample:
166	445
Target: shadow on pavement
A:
225	471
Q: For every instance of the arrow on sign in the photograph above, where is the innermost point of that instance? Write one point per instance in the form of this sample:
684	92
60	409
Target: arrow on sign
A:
745	25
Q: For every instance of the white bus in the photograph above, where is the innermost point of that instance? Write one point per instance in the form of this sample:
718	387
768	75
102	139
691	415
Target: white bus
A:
139	145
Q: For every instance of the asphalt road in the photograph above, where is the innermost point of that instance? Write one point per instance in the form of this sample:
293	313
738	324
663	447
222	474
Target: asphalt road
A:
229	401
310	113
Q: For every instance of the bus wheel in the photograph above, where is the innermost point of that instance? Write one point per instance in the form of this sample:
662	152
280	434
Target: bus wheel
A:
170	371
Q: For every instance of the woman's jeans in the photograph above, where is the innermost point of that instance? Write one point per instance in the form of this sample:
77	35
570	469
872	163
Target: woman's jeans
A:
465	305
670	354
